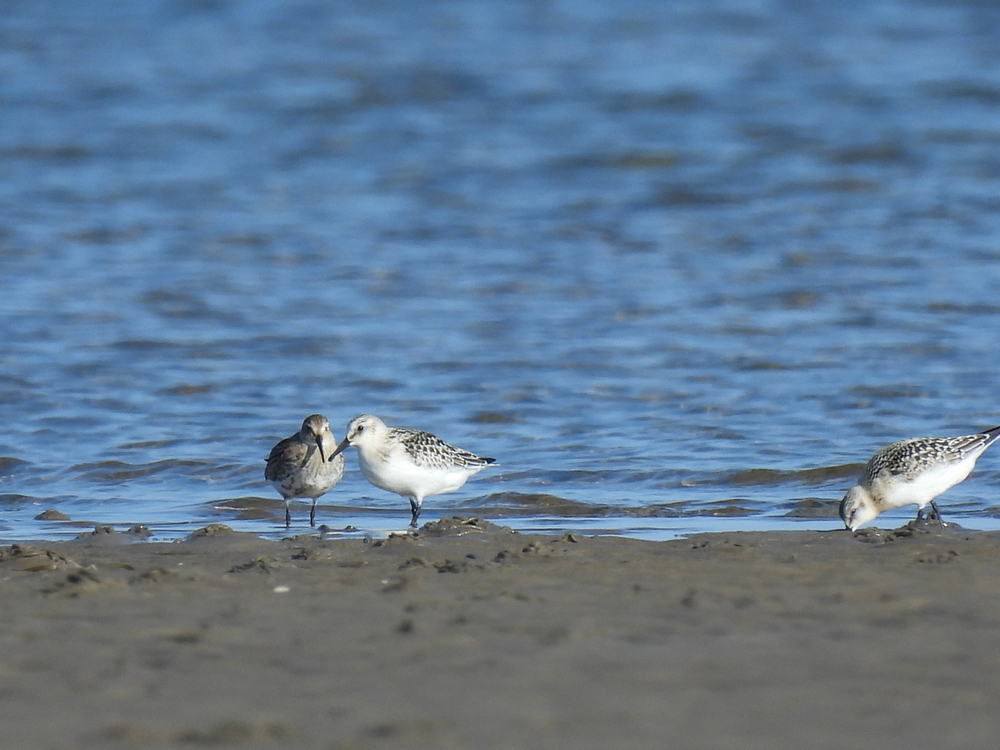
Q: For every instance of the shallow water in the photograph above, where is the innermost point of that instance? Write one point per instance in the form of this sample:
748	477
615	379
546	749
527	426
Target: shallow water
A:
676	267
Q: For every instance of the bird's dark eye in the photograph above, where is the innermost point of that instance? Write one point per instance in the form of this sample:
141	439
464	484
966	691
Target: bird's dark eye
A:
360	427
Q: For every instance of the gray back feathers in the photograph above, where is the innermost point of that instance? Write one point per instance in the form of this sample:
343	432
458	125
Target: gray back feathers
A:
908	458
434	453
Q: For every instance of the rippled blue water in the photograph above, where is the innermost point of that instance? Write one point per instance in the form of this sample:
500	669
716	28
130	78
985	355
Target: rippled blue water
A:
679	266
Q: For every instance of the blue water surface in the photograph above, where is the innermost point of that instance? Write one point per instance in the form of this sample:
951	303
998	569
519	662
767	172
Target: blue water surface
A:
680	266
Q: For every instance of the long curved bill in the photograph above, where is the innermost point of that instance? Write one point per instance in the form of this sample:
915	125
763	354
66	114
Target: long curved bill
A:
339	449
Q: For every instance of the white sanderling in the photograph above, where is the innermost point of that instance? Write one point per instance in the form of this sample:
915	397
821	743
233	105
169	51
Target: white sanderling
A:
301	465
411	463
913	471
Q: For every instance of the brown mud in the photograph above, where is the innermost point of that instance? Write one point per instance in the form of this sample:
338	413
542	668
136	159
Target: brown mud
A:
468	635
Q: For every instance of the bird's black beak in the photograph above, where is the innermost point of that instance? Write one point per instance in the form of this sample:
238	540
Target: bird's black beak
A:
321	445
339	449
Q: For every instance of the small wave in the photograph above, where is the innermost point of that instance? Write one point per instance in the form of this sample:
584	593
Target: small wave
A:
246	508
9	464
15	499
188	389
120	471
554	505
541	501
887	392
811	507
149	444
493	417
819	475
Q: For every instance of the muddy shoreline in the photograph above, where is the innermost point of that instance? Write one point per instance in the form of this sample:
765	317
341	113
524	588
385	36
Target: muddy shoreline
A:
469	635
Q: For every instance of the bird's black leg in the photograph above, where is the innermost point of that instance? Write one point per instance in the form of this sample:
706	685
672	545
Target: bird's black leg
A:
935	514
312	513
415	511
288	515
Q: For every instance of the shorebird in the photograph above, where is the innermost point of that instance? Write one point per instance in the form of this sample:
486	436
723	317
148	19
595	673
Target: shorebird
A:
411	463
913	471
303	465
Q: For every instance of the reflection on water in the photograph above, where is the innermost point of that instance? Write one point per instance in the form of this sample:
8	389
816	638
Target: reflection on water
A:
664	261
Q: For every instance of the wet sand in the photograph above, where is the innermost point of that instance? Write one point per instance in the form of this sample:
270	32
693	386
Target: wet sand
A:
469	636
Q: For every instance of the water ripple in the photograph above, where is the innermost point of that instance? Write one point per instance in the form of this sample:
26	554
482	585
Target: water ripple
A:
672	274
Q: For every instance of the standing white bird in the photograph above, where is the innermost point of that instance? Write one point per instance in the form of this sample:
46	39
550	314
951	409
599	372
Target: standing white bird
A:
913	471
301	465
411	463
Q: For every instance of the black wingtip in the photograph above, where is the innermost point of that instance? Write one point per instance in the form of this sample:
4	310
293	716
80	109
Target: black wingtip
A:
488	460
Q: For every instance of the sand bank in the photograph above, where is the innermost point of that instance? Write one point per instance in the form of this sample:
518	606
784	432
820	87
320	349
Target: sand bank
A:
466	635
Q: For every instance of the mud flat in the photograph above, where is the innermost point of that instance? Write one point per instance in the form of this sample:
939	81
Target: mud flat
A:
466	635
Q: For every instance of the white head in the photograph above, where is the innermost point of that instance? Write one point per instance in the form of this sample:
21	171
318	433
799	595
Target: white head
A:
857	508
316	429
362	431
